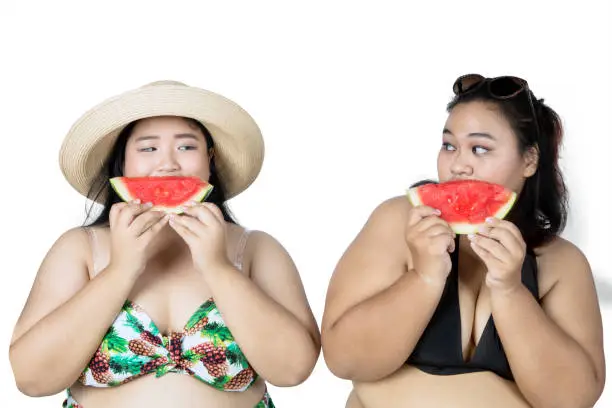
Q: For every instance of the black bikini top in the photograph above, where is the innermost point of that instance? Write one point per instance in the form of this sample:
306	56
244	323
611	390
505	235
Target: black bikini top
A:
438	351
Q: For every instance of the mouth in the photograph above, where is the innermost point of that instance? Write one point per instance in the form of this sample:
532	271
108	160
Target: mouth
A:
169	175
464	179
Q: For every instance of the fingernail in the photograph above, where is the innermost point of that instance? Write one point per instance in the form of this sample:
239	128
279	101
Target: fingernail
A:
490	220
471	236
483	229
136	201
438	212
148	205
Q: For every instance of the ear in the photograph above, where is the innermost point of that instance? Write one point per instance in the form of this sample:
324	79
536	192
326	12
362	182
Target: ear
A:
531	158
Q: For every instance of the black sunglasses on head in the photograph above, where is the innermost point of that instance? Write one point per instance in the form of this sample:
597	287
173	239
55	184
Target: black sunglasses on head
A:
503	87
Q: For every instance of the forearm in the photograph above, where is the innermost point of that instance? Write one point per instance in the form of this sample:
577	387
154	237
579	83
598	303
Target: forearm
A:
275	342
387	325
63	342
549	367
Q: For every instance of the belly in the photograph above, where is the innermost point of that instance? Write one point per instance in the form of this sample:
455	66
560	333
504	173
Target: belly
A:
171	390
410	387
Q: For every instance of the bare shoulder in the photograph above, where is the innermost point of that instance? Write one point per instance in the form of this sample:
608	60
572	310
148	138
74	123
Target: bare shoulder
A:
62	273
72	248
560	261
392	210
261	246
571	299
254	248
74	241
386	224
560	248
376	258
384	230
74	236
256	237
273	270
565	275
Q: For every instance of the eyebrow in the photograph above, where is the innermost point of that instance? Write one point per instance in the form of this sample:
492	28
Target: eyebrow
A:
473	134
177	136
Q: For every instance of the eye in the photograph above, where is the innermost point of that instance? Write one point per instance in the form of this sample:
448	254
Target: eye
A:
448	147
479	150
189	147
146	149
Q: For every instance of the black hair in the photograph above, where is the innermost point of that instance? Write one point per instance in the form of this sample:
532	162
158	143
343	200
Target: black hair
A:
541	209
113	167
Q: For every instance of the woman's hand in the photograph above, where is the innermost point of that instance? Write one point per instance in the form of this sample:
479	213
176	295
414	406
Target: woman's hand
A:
501	247
133	226
430	239
203	228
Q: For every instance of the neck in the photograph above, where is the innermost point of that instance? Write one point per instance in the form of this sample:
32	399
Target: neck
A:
466	248
168	244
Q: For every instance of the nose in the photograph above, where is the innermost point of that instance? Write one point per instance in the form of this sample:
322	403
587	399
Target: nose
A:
461	166
168	163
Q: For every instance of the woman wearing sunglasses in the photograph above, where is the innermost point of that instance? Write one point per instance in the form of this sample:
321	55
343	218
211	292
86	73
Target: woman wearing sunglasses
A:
419	317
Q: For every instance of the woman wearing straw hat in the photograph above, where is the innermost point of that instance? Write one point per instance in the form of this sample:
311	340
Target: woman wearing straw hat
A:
507	317
135	307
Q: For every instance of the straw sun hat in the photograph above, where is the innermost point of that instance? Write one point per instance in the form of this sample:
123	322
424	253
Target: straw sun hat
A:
239	146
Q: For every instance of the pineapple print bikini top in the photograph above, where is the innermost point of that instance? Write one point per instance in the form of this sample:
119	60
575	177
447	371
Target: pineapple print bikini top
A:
133	345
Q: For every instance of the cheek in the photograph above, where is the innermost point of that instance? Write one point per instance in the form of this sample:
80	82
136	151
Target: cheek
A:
204	172
196	164
443	166
135	165
506	171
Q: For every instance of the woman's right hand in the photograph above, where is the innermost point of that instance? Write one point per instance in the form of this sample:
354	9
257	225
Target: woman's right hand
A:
132	227
430	240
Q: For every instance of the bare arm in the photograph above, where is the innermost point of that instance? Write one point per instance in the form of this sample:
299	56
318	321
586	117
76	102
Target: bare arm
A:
377	305
269	314
66	314
64	318
555	351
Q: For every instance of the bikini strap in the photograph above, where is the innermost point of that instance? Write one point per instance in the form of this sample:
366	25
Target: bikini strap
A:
240	248
96	252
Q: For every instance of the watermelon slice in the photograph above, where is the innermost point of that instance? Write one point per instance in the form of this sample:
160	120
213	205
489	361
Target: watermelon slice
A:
464	204
167	193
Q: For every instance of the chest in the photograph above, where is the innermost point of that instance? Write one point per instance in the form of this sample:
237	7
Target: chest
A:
170	289
170	296
473	302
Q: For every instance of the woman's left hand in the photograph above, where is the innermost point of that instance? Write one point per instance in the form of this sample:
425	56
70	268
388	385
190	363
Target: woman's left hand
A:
203	228
501	246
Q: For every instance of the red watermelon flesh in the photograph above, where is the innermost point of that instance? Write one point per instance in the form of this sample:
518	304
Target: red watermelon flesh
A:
464	204
167	193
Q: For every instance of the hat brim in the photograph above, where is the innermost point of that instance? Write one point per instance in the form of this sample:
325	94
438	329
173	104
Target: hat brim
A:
239	146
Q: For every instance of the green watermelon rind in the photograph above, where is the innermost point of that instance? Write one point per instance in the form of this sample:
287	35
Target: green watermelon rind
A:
125	195
462	228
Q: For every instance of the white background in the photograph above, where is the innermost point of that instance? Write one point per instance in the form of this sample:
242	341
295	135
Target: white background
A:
350	97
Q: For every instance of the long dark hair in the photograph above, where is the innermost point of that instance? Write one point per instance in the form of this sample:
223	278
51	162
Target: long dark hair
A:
541	209
113	167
